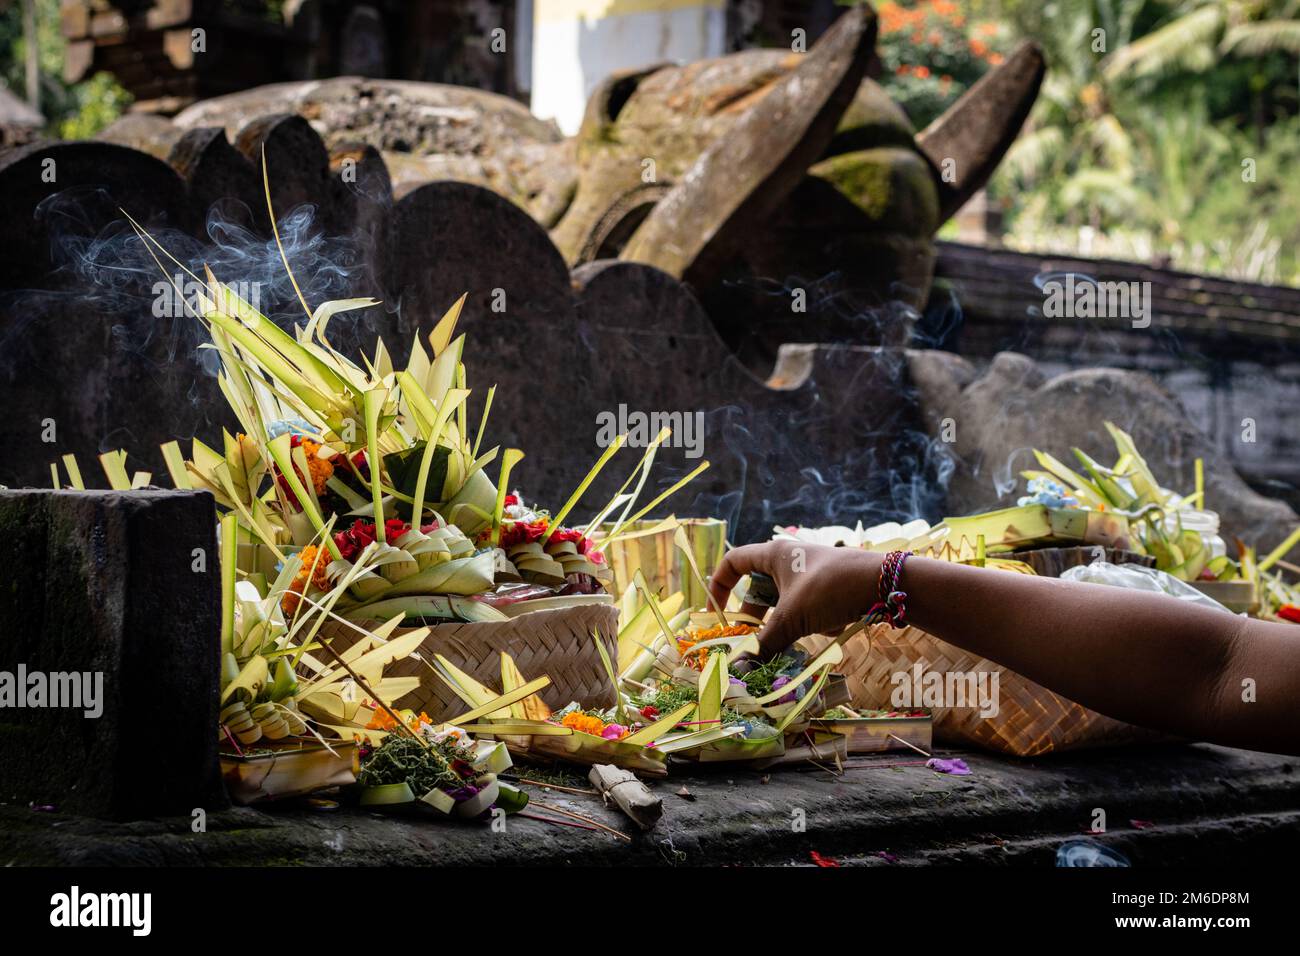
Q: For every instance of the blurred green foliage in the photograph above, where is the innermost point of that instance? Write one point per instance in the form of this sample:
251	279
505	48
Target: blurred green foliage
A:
931	52
73	111
1165	129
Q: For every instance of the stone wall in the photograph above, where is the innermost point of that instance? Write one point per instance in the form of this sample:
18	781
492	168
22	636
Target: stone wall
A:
1229	349
836	433
118	593
83	349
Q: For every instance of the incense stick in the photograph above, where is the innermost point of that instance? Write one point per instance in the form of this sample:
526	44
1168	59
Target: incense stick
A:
913	746
578	816
558	823
556	786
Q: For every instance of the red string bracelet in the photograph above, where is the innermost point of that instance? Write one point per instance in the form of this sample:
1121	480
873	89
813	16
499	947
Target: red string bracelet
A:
890	604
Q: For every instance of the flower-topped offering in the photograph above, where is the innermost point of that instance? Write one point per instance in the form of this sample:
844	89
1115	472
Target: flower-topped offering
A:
537	551
890	536
441	768
355	493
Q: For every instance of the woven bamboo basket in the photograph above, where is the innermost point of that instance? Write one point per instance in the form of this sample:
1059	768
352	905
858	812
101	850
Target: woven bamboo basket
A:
1030	720
556	643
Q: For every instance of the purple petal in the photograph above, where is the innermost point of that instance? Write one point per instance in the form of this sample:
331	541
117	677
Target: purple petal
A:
956	766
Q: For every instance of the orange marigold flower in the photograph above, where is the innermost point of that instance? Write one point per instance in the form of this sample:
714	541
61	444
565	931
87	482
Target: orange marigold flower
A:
292	597
923	71
319	579
684	650
583	723
892	16
321	469
380	720
696	657
978	46
314	562
717	630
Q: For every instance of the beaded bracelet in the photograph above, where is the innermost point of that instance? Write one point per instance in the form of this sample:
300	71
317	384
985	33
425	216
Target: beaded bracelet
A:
890	604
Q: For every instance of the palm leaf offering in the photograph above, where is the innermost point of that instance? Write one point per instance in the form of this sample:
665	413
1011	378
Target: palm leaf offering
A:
1122	506
745	711
571	734
353	492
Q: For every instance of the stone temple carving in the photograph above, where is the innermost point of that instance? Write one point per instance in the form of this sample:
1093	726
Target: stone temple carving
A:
591	285
718	172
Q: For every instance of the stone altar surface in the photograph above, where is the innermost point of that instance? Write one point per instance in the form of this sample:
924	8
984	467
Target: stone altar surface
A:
1165	806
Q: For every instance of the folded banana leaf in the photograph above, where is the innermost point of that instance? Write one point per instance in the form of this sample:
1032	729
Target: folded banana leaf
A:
290	770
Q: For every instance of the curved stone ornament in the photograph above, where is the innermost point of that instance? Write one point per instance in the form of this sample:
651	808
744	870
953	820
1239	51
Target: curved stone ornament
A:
740	180
976	131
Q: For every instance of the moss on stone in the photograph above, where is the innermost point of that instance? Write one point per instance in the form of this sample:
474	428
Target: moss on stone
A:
872	120
893	187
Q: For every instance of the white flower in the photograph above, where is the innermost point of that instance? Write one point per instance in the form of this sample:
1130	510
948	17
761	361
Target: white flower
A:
889	536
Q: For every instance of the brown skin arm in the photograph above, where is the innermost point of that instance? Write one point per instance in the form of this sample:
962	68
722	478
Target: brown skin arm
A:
1140	657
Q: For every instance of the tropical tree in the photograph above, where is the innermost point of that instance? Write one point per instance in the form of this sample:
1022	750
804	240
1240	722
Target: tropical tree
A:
1147	114
32	51
1202	32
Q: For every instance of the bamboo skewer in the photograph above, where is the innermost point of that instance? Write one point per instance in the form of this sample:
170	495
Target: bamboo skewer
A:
1293	568
907	744
555	786
558	823
578	816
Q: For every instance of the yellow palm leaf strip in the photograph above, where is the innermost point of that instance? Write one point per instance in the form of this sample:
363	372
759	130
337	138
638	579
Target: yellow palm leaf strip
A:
652	732
482	425
676	487
114	465
643	469
442	333
639	580
175	461
74	472
1280	551
683	542
270	211
510	458
374	405
504	701
379	701
229	553
558	520
280	449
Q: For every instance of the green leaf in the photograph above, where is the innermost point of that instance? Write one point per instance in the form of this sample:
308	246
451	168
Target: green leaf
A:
510	798
403	469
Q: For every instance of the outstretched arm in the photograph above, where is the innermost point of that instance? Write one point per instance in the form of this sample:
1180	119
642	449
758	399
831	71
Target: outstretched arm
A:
1136	656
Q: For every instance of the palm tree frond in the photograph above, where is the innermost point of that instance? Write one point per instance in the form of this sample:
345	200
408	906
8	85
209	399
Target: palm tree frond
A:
1174	44
1262	38
1034	151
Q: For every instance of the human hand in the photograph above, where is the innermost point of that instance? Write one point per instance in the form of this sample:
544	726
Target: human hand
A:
822	589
